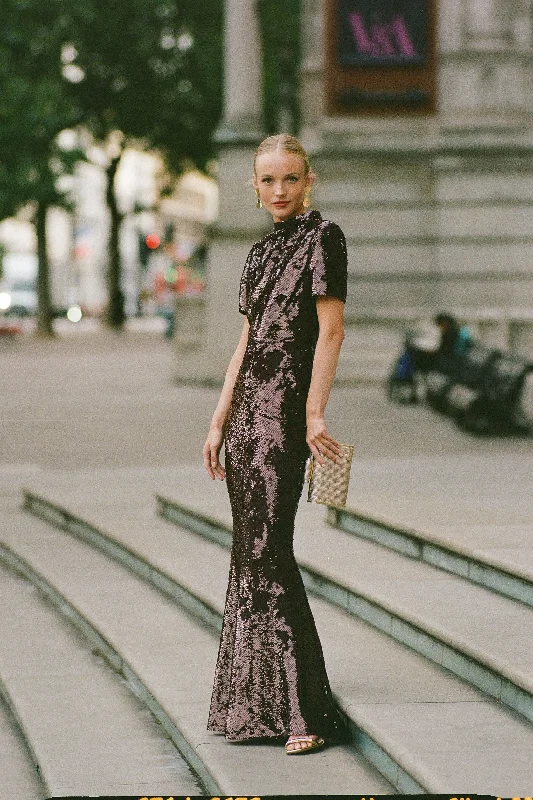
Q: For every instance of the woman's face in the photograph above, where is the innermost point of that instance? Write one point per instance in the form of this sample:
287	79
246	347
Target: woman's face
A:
281	182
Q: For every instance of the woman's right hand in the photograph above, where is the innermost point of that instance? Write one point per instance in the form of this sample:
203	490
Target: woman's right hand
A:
320	443
211	452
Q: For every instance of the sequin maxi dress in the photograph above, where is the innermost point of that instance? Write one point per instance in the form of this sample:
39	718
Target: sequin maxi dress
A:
270	678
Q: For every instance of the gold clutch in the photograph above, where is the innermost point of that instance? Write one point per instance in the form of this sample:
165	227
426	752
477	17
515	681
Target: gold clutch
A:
328	484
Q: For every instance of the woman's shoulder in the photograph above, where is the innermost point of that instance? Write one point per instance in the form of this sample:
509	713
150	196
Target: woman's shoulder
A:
329	238
259	245
327	227
255	249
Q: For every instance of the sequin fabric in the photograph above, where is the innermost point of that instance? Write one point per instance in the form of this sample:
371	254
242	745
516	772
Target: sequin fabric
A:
270	677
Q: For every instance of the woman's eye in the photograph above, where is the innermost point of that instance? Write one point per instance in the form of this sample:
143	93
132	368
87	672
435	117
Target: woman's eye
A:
293	179
267	180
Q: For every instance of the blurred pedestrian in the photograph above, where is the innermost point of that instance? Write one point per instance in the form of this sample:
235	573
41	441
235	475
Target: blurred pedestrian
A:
270	678
401	383
406	382
455	338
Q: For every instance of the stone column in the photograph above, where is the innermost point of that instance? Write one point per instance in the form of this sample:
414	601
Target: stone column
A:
312	73
239	223
243	74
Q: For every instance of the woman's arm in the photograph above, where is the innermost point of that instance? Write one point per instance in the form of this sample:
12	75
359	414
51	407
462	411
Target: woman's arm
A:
330	312
215	436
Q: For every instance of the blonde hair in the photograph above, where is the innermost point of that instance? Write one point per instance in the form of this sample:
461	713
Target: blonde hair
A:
283	143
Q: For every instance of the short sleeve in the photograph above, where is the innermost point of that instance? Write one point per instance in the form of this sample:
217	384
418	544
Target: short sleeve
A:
329	263
244	286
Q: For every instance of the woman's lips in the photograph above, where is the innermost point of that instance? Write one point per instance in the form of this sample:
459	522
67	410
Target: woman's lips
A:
281	203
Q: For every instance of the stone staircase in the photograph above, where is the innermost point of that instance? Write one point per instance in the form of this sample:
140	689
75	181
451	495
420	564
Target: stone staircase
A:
79	723
432	666
164	649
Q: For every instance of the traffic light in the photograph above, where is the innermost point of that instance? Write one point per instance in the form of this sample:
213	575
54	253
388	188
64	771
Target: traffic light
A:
147	244
152	241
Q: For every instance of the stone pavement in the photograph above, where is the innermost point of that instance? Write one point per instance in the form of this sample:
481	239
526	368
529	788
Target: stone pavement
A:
92	423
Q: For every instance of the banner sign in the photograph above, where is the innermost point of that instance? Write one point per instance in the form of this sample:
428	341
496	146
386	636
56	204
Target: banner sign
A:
382	32
381	56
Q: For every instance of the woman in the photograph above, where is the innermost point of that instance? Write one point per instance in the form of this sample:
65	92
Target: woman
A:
270	678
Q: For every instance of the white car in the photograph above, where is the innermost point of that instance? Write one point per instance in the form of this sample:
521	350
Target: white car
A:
19	299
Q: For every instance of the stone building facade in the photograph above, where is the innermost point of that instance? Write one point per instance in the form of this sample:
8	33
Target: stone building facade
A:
437	209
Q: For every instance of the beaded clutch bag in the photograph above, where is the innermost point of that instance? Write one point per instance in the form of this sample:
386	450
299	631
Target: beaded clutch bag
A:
328	484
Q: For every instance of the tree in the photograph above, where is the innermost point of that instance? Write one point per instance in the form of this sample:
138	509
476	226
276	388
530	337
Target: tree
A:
280	34
145	73
35	109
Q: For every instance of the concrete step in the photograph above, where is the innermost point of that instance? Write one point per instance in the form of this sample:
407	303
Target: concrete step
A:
451	556
407	725
415	603
169	657
467	515
86	731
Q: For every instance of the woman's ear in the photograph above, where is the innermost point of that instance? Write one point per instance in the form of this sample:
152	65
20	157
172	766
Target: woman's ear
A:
254	181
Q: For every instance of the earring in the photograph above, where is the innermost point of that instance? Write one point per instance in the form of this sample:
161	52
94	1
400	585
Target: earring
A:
258	203
307	201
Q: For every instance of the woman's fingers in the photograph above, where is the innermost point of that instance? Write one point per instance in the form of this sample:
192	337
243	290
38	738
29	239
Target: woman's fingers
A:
211	461
324	446
330	452
218	469
206	452
331	444
317	454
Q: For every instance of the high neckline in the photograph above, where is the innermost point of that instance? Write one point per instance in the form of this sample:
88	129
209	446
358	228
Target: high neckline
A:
296	223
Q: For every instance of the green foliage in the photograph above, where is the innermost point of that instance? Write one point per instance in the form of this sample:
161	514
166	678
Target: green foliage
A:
35	106
147	73
152	70
143	72
140	77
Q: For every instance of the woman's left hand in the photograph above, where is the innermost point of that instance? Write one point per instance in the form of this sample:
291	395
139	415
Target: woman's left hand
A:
211	453
321	444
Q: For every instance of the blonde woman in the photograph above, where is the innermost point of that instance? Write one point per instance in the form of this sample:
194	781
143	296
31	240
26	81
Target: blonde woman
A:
270	678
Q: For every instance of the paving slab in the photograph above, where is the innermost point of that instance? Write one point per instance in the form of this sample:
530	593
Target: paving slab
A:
369	672
88	732
175	658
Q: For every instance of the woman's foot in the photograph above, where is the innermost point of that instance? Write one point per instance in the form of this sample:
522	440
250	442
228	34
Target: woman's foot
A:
297	745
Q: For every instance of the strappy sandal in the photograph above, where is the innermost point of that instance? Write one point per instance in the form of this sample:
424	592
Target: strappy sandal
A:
307	743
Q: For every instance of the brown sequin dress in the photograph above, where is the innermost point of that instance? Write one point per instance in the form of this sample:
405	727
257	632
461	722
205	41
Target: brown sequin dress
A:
270	677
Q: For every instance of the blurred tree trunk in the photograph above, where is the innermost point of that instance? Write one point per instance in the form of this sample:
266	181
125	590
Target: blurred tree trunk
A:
115	297
281	64
44	300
